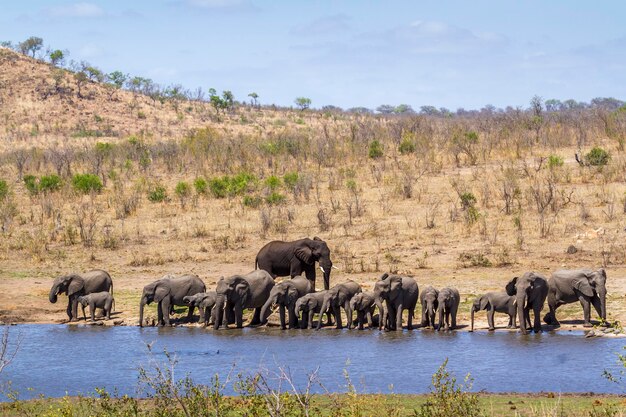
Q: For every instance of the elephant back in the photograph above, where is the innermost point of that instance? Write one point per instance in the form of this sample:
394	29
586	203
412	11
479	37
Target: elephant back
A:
96	280
260	285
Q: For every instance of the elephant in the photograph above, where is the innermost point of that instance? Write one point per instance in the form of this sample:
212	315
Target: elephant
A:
285	294
494	302
239	292
364	304
429	302
530	291
337	297
205	301
399	293
103	300
447	306
75	285
310	304
584	285
168	292
282	259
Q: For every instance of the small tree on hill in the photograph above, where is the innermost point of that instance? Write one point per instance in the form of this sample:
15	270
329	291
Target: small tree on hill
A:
303	103
57	57
254	96
30	45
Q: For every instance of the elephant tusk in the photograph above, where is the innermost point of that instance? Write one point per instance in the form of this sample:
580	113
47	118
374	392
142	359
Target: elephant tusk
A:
322	270
334	267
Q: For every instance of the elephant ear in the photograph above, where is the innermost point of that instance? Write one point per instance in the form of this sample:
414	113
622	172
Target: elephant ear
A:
305	254
292	295
317	238
242	288
484	303
396	284
76	285
511	287
161	292
582	285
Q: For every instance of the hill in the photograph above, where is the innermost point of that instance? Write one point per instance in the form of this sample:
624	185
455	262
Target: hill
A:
463	201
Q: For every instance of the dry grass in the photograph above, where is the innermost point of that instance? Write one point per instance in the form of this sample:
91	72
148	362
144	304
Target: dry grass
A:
403	213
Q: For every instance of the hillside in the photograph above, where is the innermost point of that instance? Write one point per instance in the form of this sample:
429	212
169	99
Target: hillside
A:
468	202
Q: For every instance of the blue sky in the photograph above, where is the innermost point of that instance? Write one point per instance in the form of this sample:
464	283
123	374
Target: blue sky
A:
347	53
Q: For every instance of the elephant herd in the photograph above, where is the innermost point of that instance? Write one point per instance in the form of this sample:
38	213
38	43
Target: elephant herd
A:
298	301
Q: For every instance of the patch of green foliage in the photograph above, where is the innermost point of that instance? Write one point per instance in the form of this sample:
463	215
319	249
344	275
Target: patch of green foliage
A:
597	157
375	149
87	183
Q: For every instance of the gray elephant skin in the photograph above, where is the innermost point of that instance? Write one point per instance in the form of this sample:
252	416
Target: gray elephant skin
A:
495	302
429	303
205	301
285	294
310	304
168	292
364	304
530	291
337	297
103	300
240	292
399	293
585	285
75	285
292	259
447	307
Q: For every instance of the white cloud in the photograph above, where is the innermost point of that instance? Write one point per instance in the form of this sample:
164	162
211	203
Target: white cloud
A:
76	10
323	26
215	4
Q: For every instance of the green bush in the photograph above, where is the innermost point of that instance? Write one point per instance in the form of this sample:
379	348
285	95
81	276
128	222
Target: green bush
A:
597	157
30	182
4	189
272	182
252	201
182	190
467	200
87	183
219	187
200	185
230	186
291	179
50	183
275	199
471	136
555	161
407	146
157	194
375	149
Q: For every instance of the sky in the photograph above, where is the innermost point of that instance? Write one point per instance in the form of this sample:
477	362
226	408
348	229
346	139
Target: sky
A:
347	53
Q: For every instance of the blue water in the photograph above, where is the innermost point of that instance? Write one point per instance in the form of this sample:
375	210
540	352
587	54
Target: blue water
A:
55	360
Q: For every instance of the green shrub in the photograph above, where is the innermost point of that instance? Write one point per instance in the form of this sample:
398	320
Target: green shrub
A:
407	146
230	186
272	182
50	183
275	199
219	187
375	149
157	194
291	179
87	183
4	189
471	137
30	182
555	161
467	200
182	189
252	201
597	157
200	185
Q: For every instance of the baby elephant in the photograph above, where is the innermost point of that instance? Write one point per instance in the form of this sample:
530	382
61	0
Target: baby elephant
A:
494	302
364	304
205	301
310	304
429	302
448	304
103	300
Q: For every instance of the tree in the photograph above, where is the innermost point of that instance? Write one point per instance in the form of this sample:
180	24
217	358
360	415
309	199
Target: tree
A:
303	103
117	79
57	57
404	109
228	99
553	105
30	45
254	96
81	78
94	74
429	110
385	109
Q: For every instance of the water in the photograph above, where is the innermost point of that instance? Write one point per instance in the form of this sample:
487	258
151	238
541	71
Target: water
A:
55	360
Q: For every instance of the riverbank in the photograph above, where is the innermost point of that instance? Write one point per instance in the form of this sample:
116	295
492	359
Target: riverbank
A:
348	405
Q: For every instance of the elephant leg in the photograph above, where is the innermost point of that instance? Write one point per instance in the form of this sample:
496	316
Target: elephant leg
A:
584	301
370	322
410	320
490	321
229	314
256	317
537	318
74	308
190	313
309	317
69	310
159	314
453	314
329	321
165	306
346	307
92	309
293	318
337	312
527	321
238	315
281	314
399	317
424	322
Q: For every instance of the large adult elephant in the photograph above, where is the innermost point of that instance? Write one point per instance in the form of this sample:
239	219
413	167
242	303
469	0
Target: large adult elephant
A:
283	259
285	294
168	292
337	297
584	285
530	291
240	292
75	285
399	293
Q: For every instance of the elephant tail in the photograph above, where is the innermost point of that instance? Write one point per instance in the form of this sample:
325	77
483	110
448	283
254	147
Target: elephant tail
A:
256	263
111	288
113	306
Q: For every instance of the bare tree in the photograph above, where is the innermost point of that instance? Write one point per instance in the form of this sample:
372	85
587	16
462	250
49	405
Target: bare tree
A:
8	350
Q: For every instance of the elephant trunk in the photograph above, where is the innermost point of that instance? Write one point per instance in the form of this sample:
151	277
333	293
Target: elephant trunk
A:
440	313
602	295
472	319
142	304
218	311
521	303
53	294
266	309
322	310
381	313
